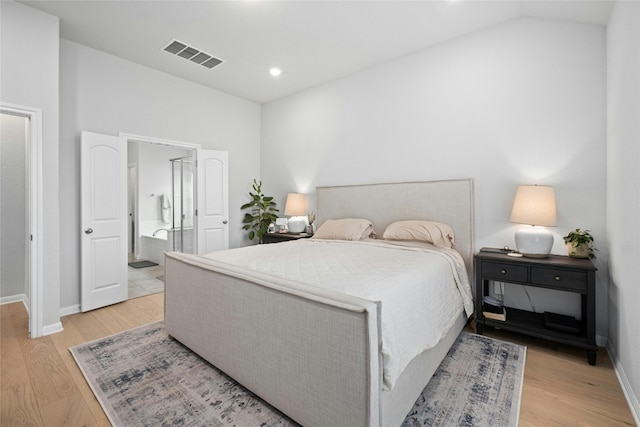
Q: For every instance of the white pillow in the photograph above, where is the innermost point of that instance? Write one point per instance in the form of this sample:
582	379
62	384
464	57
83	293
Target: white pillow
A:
344	229
436	233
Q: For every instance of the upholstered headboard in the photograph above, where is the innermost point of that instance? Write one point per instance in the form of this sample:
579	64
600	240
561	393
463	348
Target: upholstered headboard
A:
450	202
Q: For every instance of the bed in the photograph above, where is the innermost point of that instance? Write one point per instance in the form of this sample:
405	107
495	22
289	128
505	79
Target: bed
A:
318	354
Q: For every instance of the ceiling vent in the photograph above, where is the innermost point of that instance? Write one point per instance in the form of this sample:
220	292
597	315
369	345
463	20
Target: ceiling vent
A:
191	53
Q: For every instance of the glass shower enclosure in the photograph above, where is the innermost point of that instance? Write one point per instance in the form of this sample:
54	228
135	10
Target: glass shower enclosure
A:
183	203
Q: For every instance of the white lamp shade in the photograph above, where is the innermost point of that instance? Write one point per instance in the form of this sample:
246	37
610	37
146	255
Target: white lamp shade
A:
534	205
296	204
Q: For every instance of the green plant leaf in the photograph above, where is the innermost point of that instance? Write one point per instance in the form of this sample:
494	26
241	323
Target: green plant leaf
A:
261	213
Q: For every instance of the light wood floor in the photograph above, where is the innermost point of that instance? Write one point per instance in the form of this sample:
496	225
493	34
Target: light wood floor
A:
42	386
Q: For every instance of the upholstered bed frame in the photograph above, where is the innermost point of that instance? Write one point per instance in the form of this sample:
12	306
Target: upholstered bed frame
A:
314	354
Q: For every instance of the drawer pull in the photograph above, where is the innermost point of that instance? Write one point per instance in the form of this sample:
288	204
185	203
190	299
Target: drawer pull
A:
557	278
503	271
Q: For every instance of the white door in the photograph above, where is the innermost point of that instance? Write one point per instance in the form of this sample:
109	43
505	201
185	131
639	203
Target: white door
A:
212	201
103	192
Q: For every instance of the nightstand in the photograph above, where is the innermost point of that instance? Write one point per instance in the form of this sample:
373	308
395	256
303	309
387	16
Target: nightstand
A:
556	272
283	237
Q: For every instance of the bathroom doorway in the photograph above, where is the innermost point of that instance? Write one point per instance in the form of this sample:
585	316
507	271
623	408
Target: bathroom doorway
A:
161	211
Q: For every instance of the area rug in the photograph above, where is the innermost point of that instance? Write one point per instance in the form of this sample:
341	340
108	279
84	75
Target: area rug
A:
142	377
142	264
479	383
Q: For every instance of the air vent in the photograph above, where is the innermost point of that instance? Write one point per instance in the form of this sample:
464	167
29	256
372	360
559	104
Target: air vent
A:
191	53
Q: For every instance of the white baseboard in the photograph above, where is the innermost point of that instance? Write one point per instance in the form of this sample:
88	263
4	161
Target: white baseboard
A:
47	329
72	309
52	329
16	298
632	399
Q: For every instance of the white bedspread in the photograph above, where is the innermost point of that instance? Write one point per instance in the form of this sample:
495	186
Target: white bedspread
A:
422	289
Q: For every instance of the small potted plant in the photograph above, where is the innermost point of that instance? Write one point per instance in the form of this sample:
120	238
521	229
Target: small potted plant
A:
580	244
262	213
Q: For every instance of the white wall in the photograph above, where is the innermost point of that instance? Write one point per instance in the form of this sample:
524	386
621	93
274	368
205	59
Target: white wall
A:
13	205
106	94
519	103
154	177
623	193
30	69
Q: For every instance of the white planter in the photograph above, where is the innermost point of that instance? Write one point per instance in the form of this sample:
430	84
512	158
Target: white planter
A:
582	251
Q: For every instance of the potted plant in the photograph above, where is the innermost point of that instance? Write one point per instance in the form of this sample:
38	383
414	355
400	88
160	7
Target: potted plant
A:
579	244
262	213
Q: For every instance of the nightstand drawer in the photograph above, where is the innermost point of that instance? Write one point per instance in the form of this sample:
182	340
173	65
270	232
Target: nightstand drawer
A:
504	272
574	280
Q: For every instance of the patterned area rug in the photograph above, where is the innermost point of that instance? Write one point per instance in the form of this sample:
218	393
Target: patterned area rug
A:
142	377
479	383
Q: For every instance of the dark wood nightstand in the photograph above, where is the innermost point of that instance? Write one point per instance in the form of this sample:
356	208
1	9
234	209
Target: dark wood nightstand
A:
283	237
556	272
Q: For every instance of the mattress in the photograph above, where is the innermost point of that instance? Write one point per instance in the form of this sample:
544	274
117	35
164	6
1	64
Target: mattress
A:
421	289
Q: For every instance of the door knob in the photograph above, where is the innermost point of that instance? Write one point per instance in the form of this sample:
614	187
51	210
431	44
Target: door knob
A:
88	230
225	221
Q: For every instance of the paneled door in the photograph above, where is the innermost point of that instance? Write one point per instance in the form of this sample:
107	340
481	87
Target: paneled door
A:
103	191
212	201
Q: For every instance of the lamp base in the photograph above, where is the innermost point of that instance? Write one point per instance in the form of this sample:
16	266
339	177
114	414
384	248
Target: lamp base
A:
534	242
297	224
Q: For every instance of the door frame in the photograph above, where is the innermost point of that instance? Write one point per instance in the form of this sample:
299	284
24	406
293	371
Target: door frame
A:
159	141
34	233
132	170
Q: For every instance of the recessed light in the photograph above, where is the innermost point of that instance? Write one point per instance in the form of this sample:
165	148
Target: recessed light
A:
275	72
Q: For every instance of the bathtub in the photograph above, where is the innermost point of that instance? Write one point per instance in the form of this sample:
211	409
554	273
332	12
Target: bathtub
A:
152	248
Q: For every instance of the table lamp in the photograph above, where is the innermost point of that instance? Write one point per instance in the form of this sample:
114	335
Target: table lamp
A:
296	207
534	205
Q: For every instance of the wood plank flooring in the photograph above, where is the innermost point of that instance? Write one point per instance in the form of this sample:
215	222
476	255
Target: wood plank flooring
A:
561	389
41	384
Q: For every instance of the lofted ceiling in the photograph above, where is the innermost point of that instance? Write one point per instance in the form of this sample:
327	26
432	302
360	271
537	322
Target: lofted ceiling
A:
311	41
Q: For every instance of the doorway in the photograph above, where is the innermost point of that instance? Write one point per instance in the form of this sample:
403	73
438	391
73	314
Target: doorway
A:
161	211
21	220
14	255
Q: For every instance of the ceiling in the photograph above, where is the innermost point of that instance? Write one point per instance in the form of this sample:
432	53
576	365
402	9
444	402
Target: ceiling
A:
311	41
